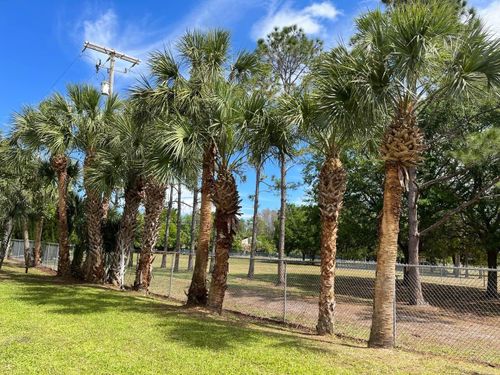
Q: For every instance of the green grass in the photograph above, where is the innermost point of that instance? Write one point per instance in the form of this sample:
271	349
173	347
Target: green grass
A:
51	327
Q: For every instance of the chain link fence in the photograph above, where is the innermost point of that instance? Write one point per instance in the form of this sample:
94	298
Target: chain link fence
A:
439	310
455	317
50	253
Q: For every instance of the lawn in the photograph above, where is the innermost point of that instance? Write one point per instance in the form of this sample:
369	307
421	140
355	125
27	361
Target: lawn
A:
458	321
51	327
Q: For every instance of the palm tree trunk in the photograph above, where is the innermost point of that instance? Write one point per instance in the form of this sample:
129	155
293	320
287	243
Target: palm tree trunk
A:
253	245
155	195
197	294
382	333
192	243
492	286
37	250
416	296
226	200
94	262
4	245
179	228
282	219
332	184
26	242
126	233
167	226
212	252
60	165
106	199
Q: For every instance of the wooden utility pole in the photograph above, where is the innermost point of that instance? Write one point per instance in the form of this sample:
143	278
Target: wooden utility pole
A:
112	56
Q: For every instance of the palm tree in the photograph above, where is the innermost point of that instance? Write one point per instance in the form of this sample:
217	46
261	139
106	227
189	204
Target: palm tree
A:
164	164
414	54
92	118
258	125
153	204
333	122
283	136
34	179
205	55
121	163
228	124
44	194
50	129
288	53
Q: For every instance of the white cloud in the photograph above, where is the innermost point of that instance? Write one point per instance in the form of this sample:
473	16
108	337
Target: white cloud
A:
101	30
491	16
311	18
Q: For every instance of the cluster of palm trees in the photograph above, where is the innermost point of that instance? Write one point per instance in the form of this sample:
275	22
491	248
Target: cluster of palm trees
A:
202	115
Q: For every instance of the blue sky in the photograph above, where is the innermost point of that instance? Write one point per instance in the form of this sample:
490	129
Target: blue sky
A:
42	43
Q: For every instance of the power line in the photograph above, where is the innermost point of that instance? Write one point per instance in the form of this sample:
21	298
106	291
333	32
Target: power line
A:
68	67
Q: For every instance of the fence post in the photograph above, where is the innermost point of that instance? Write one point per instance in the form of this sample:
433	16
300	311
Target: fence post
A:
171	276
284	291
394	324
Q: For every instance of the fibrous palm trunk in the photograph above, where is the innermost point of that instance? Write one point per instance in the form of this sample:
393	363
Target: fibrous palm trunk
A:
26	243
155	194
226	200
37	249
4	245
192	242
60	165
179	227
253	244
197	294
332	184
167	226
106	200
401	148
126	233
94	262
416	296
282	220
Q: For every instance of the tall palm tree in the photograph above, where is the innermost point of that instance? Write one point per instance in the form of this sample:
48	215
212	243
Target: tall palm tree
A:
92	118
414	54
283	137
206	57
258	126
164	165
50	129
228	123
122	163
153	204
333	121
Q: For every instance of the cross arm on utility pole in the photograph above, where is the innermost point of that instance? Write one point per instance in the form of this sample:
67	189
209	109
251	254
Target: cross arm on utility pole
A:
111	52
112	55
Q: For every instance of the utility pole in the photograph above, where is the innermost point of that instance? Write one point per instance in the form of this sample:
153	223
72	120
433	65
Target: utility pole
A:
112	56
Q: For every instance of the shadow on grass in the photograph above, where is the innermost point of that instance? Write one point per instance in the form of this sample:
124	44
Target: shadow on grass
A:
190	327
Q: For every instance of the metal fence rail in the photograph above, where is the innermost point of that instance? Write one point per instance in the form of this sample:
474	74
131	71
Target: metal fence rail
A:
455	318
